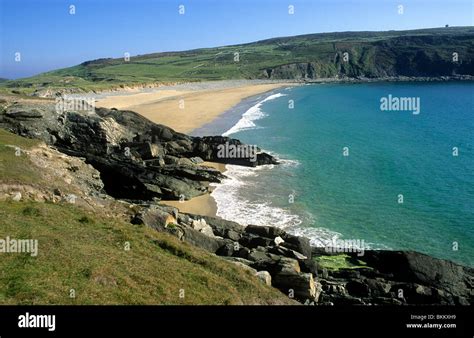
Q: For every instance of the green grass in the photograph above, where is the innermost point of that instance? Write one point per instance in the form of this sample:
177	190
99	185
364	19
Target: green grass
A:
92	259
105	260
338	262
13	168
371	54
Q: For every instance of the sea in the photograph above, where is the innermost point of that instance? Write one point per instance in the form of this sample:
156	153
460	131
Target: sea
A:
385	165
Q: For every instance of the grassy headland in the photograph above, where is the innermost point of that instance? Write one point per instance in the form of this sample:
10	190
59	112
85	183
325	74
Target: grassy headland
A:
423	52
105	260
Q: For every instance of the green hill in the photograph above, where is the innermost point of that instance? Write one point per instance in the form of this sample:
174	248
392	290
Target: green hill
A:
424	52
87	251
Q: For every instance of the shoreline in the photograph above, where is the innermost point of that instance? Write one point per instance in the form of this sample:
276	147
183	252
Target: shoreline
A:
204	205
148	87
187	108
236	100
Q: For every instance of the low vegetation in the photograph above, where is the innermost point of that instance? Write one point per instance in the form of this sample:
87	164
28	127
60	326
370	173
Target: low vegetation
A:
424	52
338	262
88	258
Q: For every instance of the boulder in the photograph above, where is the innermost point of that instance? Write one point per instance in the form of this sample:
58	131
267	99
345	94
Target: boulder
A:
232	235
22	111
299	244
16	196
358	288
201	240
253	241
154	217
224	228
264	231
265	277
226	250
198	224
242	252
302	285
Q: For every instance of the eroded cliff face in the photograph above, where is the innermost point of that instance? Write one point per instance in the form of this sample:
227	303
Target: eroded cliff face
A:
410	56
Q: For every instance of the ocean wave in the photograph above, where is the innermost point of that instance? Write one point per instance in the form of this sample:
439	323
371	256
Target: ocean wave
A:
231	206
252	114
322	237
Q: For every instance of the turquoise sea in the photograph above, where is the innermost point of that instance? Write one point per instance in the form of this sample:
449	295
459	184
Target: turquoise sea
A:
400	187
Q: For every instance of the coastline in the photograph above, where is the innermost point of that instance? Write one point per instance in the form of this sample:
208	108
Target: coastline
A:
188	107
229	99
207	205
204	205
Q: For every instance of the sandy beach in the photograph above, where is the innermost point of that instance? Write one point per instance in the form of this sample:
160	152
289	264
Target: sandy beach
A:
186	108
201	205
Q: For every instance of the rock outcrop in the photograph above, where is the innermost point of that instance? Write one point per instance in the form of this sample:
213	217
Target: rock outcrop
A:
290	264
137	159
397	277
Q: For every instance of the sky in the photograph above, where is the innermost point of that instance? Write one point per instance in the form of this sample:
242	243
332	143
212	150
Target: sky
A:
49	35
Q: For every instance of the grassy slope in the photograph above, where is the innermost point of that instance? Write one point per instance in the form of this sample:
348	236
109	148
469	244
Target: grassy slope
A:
370	52
86	252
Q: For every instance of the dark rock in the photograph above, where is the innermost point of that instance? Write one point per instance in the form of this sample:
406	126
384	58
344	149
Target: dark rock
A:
253	241
338	299
386	301
223	228
242	253
145	150
226	250
309	265
259	257
22	111
201	240
299	244
154	217
125	147
358	288
208	147
417	268
377	287
264	231
231	234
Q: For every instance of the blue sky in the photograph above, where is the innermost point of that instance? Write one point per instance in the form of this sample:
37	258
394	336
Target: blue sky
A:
48	37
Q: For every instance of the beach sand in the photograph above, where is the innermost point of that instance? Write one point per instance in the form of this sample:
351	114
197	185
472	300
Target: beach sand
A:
183	109
201	205
186	108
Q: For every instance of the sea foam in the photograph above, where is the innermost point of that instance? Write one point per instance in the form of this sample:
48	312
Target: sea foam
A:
252	114
231	205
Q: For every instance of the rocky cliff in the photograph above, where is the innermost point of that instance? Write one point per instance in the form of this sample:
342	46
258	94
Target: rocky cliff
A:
137	158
